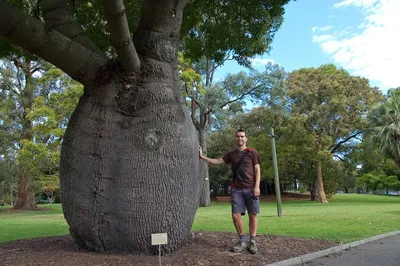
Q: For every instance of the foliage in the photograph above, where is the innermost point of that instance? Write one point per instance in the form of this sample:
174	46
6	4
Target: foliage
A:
219	29
332	106
50	185
34	113
377	180
8	181
384	121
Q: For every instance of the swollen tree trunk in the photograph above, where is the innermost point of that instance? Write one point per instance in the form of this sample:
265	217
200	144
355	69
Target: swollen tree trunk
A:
320	185
129	163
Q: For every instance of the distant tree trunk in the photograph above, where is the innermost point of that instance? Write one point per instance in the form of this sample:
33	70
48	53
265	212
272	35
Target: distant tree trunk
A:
320	185
25	197
205	200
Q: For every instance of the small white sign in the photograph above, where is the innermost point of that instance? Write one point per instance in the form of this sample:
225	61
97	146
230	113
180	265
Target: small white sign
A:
159	239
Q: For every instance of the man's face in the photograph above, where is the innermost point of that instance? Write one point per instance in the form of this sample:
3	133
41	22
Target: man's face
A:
241	139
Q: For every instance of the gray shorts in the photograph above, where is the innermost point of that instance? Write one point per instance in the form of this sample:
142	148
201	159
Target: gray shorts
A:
242	199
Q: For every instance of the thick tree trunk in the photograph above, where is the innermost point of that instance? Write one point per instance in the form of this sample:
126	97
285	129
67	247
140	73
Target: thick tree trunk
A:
320	184
205	200
130	162
26	198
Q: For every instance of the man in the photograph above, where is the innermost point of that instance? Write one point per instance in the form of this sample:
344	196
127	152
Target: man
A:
245	189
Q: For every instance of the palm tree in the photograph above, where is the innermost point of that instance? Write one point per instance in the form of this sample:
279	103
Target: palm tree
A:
384	121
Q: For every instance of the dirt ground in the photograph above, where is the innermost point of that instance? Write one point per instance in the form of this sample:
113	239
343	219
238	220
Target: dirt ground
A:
206	249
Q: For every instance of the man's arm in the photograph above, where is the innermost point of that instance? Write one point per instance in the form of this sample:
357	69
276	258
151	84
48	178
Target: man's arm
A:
257	171
210	160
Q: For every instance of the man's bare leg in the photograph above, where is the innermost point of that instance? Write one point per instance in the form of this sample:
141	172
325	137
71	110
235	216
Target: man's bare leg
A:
238	222
253	224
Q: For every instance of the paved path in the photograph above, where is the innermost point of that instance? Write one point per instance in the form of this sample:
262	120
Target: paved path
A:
383	252
380	250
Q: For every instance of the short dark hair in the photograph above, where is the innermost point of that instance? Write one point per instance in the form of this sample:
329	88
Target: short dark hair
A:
240	130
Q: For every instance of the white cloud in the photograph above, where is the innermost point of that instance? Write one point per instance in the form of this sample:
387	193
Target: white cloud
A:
256	62
370	49
358	3
321	29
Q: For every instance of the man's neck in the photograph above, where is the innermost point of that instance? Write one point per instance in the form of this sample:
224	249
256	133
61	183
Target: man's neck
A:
241	148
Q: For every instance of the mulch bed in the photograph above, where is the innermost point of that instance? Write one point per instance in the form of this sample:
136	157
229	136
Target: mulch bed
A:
206	249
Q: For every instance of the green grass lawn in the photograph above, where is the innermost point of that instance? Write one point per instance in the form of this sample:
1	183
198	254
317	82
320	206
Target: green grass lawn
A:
346	218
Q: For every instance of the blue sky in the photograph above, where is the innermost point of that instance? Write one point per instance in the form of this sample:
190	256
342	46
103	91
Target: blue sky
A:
360	36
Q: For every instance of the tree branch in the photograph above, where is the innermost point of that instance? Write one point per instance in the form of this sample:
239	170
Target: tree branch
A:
158	34
57	17
343	160
193	115
120	35
240	97
309	130
52	46
345	140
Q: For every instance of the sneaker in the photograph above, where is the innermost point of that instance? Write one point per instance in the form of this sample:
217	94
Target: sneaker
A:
252	247
240	246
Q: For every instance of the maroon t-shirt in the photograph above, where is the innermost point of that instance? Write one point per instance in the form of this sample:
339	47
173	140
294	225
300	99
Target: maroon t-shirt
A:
245	174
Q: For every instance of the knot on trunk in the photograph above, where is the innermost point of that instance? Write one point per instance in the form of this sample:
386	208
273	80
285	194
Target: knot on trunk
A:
152	139
128	100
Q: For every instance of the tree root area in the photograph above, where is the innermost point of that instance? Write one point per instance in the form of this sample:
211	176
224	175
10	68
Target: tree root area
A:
206	249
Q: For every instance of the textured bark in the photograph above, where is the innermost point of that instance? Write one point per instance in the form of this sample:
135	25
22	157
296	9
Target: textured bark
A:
57	17
120	35
320	184
129	162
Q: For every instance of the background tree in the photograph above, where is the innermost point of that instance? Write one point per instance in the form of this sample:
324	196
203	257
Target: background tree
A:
39	107
226	98
384	121
19	89
332	105
8	181
215	32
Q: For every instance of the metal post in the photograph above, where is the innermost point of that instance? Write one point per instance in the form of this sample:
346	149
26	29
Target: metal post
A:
276	175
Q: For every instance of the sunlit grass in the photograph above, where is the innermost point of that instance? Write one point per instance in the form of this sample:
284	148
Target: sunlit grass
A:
346	218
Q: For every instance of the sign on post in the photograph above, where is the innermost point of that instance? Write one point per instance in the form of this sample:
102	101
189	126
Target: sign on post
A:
159	239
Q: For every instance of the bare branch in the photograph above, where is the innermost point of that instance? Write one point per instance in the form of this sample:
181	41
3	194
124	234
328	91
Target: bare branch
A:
57	16
343	160
52	46
241	96
120	35
345	140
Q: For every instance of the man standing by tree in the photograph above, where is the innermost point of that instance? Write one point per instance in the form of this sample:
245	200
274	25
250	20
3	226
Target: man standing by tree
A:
245	190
